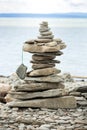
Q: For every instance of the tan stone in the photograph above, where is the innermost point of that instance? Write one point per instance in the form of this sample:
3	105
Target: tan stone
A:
38	57
41	66
43	94
51	44
35	86
52	103
9	98
4	89
44	72
35	48
43	40
46	79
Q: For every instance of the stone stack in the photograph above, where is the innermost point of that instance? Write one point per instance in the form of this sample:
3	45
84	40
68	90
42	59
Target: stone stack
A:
43	86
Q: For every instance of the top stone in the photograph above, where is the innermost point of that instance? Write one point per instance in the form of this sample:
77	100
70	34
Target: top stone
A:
45	42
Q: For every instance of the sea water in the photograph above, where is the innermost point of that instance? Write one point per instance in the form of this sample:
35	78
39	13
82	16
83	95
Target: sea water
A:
15	31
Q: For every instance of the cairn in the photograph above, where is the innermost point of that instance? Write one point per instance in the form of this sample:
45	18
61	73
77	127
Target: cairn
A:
42	86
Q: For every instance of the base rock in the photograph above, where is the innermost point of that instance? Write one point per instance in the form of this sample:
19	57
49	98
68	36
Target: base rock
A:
53	103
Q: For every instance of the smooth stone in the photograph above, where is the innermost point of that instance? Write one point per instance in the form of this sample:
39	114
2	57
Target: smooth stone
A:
41	66
82	103
52	103
46	37
35	48
58	40
59	53
32	41
46	33
43	40
82	89
45	61
44	72
47	79
39	58
44	29
51	44
75	94
44	23
35	95
84	94
4	89
35	86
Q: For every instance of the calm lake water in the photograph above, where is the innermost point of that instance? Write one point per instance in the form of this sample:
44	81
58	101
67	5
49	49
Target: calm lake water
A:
13	33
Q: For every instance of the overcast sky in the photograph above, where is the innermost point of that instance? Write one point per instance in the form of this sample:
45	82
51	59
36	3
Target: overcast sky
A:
42	6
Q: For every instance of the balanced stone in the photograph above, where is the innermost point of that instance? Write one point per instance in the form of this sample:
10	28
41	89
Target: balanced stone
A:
43	40
35	86
45	61
35	48
44	29
30	41
39	58
46	79
44	72
46	33
46	37
43	94
59	53
52	103
40	66
51	44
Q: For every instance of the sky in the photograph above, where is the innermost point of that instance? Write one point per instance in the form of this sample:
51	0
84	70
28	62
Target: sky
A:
42	6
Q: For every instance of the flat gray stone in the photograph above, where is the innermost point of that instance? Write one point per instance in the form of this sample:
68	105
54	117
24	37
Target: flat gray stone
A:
46	33
34	95
43	40
52	103
34	86
41	66
47	79
44	29
43	72
35	48
59	53
45	61
84	94
46	37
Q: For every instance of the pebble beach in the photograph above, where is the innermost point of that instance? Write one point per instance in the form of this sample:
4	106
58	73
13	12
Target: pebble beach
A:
42	118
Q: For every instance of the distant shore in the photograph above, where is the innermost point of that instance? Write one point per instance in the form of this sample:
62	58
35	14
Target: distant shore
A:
50	15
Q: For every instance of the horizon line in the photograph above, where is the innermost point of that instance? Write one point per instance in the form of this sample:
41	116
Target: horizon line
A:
49	15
